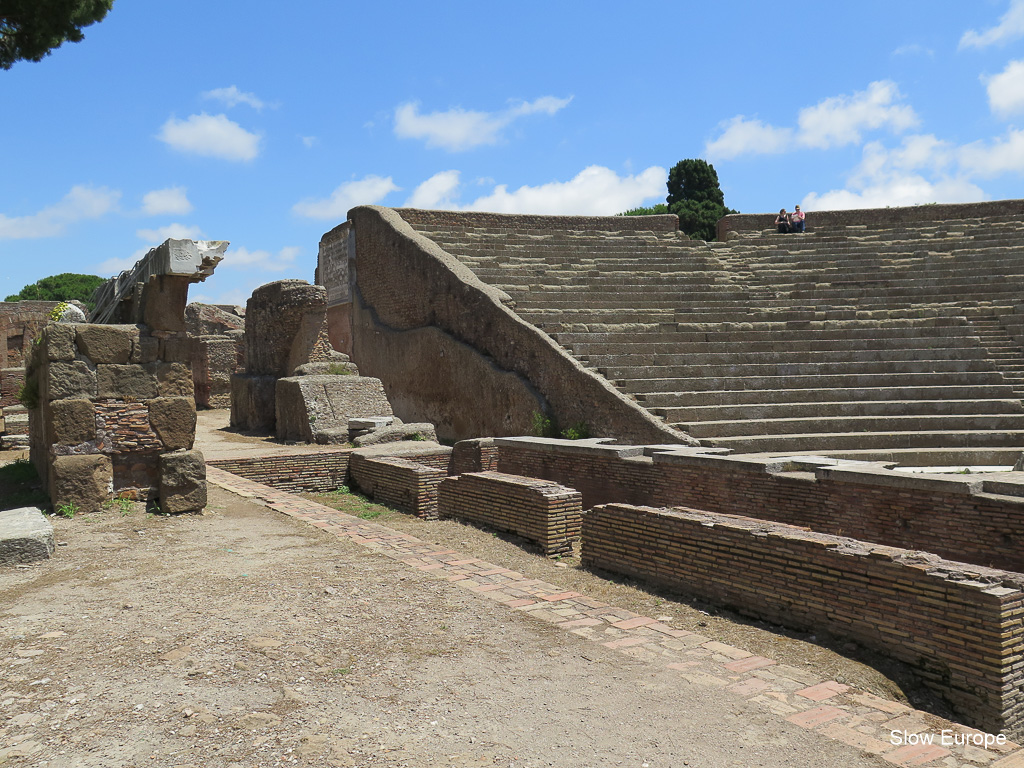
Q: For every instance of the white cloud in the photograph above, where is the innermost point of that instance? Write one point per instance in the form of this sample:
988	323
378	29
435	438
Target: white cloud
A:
914	49
1006	90
210	136
170	201
1010	27
436	192
742	137
81	203
176	231
988	159
594	191
839	120
459	129
832	122
232	97
916	173
243	257
309	141
366	191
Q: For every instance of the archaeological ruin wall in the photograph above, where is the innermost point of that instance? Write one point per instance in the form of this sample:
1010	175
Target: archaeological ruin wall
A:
449	349
111	404
958	627
967	518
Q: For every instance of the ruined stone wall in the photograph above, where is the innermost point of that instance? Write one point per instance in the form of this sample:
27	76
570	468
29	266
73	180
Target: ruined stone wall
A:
917	214
543	512
114	416
959	628
524	222
402	483
21	322
450	351
964	518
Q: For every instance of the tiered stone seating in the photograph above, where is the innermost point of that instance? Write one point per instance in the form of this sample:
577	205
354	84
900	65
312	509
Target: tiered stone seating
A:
855	340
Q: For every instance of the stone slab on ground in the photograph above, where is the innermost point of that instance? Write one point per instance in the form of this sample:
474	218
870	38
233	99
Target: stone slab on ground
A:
25	536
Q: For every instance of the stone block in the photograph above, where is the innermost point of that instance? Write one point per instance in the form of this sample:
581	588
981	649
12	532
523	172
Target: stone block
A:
146	349
182	482
305	404
397	433
74	379
60	342
71	421
126	382
173	419
177	348
106	343
252	403
173	379
25	536
83	483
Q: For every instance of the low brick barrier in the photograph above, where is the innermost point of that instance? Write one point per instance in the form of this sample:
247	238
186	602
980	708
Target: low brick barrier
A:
476	455
543	512
304	472
397	482
966	518
959	627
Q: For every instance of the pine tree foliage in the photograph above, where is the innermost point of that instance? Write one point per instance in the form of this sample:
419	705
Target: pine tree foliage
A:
30	29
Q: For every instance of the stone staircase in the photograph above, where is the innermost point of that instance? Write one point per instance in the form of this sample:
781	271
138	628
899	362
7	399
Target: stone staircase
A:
865	341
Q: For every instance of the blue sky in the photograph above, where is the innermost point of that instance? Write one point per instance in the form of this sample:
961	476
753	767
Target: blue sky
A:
263	123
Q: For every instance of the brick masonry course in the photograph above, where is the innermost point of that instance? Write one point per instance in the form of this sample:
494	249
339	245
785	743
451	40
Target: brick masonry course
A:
958	627
544	512
951	515
397	482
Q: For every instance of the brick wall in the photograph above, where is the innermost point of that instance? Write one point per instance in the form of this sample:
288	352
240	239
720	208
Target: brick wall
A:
543	512
962	518
408	485
958	627
305	473
11	380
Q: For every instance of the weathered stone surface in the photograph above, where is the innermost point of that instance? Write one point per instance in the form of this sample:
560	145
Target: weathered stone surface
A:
106	343
340	367
173	419
72	314
25	536
146	349
74	379
177	348
305	404
81	483
172	379
60	342
182	482
252	402
285	327
71	421
397	433
126	382
210	320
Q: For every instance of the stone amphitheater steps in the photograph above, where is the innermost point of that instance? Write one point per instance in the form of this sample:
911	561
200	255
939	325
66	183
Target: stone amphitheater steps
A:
827	409
668	399
863	339
719	430
829	441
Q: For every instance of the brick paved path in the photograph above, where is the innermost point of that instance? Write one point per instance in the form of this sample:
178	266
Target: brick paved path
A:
831	709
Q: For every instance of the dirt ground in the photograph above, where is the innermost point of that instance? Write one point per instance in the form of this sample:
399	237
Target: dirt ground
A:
246	638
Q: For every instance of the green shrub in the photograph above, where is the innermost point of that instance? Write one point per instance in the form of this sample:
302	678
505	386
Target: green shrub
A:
28	393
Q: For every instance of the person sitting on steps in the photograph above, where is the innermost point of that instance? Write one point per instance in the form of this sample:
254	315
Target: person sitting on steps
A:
796	220
782	222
